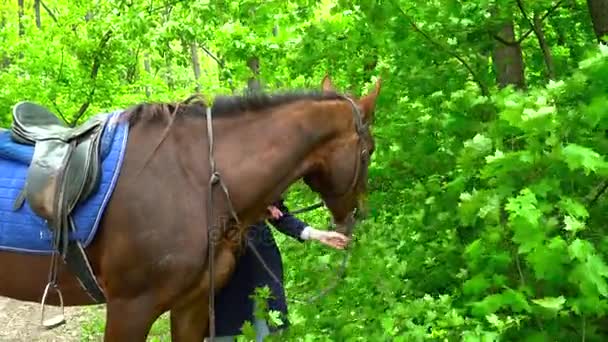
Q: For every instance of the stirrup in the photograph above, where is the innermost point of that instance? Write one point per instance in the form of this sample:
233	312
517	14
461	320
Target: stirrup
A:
60	318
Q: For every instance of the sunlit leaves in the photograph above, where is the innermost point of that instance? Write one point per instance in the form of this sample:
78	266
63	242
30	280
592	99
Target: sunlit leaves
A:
485	224
581	157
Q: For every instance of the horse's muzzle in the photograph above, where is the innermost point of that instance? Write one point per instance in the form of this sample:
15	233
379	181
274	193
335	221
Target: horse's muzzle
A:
346	227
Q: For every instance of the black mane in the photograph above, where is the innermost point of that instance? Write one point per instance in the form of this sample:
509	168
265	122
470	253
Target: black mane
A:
231	105
224	106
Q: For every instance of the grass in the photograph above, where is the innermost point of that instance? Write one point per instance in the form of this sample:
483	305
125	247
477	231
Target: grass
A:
92	329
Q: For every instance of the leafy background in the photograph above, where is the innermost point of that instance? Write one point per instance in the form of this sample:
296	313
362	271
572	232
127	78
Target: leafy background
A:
487	204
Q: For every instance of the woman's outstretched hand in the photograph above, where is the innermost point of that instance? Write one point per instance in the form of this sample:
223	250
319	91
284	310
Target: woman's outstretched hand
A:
329	238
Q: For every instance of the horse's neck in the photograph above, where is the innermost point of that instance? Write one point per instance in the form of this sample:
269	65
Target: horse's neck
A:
265	155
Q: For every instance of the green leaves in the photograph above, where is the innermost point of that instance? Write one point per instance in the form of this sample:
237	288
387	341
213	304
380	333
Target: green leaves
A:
508	299
524	219
487	222
590	269
551	303
580	157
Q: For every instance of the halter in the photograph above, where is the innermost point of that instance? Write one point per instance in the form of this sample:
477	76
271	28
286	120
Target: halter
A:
215	178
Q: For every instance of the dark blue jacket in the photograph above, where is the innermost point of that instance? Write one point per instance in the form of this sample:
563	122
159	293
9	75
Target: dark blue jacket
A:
233	305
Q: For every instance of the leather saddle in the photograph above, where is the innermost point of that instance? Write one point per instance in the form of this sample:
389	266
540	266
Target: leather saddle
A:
65	170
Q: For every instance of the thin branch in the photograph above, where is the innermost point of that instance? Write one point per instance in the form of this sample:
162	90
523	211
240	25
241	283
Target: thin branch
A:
545	16
210	54
48	10
529	32
484	89
584	333
165	6
542	42
94	71
522	279
601	189
59	112
523	12
500	39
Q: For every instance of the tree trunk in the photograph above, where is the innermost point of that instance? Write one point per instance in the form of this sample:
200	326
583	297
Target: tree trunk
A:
6	62
253	83
131	75
148	71
275	32
167	55
508	60
196	65
37	13
21	14
544	46
598	9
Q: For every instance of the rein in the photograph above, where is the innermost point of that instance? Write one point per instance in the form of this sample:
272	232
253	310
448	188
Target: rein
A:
308	208
214	178
323	293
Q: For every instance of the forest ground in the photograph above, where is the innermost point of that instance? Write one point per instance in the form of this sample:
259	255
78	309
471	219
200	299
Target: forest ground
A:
20	321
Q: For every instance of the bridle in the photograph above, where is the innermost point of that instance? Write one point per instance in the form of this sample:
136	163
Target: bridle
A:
362	163
362	157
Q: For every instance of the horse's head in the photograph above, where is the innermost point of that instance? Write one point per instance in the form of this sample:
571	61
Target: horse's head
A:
340	173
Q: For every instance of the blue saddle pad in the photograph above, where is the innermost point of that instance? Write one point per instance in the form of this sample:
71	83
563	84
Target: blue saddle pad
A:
23	230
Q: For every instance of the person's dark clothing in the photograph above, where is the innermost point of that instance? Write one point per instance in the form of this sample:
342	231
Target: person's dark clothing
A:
233	304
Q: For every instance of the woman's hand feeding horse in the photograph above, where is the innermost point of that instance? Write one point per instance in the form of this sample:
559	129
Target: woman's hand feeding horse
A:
188	170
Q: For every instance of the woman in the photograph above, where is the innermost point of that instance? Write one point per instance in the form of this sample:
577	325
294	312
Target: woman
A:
233	304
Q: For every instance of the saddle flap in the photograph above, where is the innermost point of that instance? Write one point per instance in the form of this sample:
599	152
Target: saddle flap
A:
45	176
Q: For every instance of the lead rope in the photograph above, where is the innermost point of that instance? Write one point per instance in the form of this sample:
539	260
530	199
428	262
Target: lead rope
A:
324	292
214	179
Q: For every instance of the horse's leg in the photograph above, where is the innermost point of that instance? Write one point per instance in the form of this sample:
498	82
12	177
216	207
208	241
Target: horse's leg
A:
130	320
190	318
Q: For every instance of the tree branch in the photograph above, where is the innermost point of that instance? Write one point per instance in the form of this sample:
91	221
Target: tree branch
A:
164	7
523	12
500	39
484	89
48	10
59	112
601	189
542	42
210	54
94	71
545	16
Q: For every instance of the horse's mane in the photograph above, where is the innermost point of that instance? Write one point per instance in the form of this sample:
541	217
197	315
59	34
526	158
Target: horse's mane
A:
223	106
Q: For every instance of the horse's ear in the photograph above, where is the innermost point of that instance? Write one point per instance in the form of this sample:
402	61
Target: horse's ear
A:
326	85
368	102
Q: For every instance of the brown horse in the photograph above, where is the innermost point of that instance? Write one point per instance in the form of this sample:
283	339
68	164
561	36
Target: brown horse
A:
150	254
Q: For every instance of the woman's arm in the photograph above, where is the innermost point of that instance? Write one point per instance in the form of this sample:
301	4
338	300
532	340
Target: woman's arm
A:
290	225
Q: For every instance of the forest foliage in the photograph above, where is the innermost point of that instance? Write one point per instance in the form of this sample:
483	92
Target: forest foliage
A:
488	202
